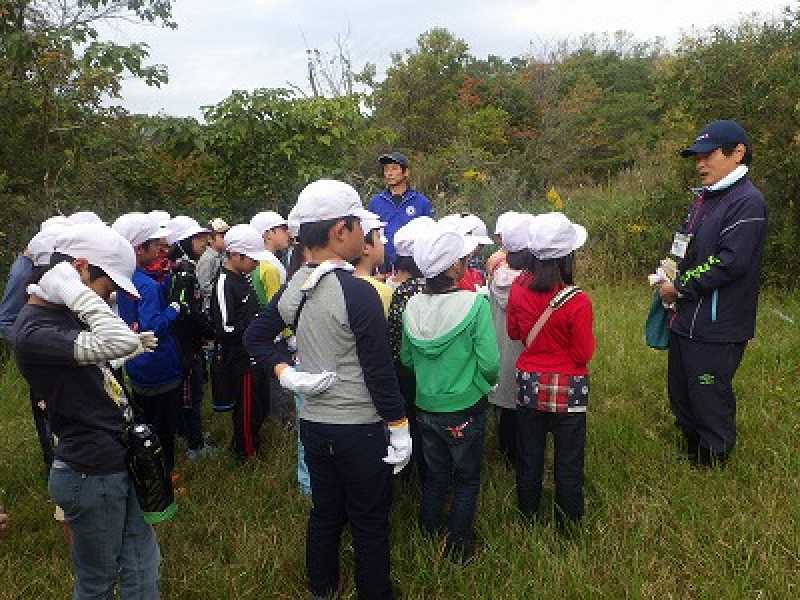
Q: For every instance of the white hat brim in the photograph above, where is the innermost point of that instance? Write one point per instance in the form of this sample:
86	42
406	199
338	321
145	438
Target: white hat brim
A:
470	244
123	282
580	236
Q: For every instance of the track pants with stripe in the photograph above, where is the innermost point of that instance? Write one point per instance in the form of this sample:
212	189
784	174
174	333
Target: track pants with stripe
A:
247	386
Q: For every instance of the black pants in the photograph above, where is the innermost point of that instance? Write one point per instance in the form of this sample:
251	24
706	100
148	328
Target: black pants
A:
408	388
250	385
160	411
507	433
350	483
190	424
569	442
699	379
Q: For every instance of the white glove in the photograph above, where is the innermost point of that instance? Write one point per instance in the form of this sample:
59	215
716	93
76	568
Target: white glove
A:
308	384
60	285
147	343
179	308
399	451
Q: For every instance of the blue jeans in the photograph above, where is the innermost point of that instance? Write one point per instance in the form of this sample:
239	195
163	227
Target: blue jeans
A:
303	478
350	483
452	445
110	540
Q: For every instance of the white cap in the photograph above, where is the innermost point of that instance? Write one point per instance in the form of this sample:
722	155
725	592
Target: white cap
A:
264	221
553	235
409	233
182	227
102	247
40	248
245	239
516	232
294	227
162	217
439	249
468	225
473	226
451	221
370	221
504	220
326	199
138	227
56	220
85	217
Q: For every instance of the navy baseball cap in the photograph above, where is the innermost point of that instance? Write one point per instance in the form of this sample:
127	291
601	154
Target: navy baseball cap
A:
716	134
393	157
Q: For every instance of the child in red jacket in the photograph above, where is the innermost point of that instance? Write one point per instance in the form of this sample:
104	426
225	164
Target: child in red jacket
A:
553	319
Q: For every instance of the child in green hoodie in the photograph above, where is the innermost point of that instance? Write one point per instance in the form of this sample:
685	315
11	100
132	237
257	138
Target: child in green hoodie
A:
449	342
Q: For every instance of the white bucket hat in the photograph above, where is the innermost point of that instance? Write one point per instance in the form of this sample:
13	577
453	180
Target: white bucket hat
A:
182	227
409	233
102	247
245	239
138	228
326	199
553	235
264	221
515	232
439	249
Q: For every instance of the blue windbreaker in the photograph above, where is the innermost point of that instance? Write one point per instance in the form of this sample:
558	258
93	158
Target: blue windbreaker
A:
161	368
412	205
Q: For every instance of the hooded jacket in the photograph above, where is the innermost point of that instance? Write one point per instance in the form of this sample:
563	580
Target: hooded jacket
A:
449	342
719	276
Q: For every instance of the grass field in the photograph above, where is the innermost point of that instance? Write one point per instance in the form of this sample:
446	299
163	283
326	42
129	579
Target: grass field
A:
655	527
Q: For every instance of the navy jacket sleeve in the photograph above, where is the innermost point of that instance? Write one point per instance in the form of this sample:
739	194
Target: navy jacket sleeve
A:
259	337
368	324
15	295
742	233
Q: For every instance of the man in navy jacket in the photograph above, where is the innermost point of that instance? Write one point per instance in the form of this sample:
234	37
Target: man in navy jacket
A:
398	203
719	248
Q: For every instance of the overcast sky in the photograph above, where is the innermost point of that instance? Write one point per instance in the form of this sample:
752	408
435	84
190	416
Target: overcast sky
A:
221	45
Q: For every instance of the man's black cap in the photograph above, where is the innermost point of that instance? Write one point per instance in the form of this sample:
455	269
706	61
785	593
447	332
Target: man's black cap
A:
393	157
716	134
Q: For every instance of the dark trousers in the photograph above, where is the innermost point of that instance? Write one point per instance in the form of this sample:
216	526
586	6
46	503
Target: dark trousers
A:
569	442
452	445
507	433
160	411
700	385
251	388
39	411
190	412
350	483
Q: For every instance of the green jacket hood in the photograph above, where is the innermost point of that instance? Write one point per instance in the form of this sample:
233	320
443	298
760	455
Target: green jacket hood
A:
433	321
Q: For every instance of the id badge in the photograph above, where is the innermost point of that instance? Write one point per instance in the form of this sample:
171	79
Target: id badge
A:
680	243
